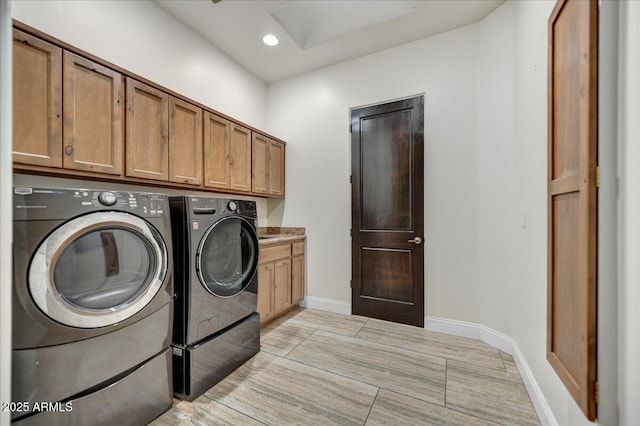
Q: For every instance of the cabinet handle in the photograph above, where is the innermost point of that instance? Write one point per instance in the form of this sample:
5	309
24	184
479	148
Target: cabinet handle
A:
68	150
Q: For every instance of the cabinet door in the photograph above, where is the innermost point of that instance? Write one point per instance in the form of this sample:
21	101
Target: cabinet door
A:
93	110
240	158
147	132
217	145
297	279
260	164
276	169
265	291
185	142
37	101
282	280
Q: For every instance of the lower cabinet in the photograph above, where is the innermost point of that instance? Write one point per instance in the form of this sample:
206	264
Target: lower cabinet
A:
280	279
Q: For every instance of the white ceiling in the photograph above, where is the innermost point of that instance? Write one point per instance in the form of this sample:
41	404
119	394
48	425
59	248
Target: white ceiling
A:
314	33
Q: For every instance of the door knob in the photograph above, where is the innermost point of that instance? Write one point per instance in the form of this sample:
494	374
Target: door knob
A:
416	240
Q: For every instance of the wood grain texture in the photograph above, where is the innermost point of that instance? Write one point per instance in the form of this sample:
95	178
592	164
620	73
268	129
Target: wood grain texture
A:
93	113
489	394
387	211
279	391
240	161
37	101
410	373
260	163
572	198
391	408
217	151
297	279
318	388
203	411
282	285
147	132
437	344
276	169
185	142
265	292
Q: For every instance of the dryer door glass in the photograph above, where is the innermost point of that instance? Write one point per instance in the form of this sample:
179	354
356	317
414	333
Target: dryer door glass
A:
103	269
228	256
98	269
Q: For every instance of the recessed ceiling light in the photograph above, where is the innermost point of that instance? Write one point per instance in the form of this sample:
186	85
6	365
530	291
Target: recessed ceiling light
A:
270	40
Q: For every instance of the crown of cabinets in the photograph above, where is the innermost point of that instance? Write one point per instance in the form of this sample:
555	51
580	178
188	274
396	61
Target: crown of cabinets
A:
73	116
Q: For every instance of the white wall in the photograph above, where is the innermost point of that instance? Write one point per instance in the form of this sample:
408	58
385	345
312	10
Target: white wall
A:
311	112
143	38
6	228
485	91
629	207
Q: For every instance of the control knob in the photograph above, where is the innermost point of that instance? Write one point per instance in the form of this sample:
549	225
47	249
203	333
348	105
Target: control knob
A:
232	206
107	198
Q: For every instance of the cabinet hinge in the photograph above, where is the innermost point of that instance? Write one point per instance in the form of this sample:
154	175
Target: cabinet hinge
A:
597	393
598	177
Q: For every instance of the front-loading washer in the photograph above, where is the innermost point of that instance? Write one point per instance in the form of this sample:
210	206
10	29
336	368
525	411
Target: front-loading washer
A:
92	305
216	328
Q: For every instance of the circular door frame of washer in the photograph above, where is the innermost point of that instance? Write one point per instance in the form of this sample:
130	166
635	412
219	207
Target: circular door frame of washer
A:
46	296
203	240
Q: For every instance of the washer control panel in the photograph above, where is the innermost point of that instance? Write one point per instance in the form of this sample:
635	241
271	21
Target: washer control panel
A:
36	203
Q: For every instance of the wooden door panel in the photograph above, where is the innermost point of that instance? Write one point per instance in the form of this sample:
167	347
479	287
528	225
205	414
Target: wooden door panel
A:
260	165
388	211
297	279
185	142
282	280
276	169
381	270
240	164
265	291
147	132
93	116
572	196
37	101
386	172
217	146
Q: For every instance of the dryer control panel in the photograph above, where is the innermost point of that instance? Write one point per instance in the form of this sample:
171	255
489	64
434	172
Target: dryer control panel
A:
41	203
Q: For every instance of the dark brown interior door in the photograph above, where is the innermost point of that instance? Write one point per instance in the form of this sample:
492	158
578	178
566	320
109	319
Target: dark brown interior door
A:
572	199
387	211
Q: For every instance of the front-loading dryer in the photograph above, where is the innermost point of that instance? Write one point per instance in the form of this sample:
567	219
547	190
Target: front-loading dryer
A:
92	305
216	256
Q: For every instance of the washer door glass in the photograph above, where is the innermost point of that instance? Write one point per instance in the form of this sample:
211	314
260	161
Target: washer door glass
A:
228	256
98	269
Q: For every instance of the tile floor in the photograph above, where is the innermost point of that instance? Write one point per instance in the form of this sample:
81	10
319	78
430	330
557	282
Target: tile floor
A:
317	367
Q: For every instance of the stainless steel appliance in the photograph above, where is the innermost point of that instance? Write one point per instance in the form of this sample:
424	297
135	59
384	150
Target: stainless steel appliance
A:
216	328
92	305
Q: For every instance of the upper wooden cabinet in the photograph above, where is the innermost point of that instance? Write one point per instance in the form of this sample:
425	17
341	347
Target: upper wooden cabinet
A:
93	112
227	153
185	142
240	164
276	169
268	166
80	117
37	101
147	132
217	146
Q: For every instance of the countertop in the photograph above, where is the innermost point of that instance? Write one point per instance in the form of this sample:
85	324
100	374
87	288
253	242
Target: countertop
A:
275	239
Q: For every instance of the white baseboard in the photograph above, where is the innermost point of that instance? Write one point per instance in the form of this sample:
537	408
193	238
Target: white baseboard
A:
328	305
505	344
